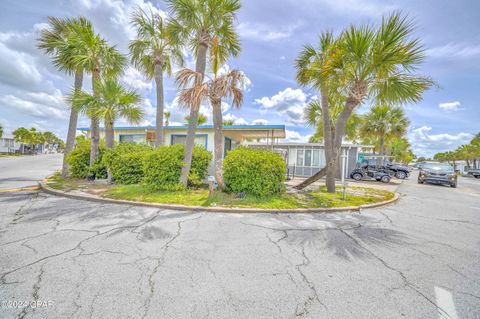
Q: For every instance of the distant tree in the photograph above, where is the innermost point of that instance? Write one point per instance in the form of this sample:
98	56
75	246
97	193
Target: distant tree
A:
384	122
1	130
228	122
166	115
31	137
202	119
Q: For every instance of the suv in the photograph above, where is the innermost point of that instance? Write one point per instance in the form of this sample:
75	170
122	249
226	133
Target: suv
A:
437	173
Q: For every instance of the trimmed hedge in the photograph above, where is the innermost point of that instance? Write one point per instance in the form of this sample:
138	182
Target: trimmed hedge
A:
79	161
125	161
163	167
257	172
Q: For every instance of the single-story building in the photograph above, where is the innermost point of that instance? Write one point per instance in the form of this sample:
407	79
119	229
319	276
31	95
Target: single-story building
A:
204	134
9	145
306	159
302	159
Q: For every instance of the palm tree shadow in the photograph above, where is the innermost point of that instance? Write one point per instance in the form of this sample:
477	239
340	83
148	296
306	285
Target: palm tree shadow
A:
347	242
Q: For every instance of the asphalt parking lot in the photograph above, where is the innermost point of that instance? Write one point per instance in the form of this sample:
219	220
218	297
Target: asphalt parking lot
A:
418	258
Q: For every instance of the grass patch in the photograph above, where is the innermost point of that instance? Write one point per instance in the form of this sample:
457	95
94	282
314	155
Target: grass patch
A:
319	198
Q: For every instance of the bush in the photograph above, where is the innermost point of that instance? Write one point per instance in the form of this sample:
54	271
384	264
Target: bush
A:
163	167
125	161
79	161
256	172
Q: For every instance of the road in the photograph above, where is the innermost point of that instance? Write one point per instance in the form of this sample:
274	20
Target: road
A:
24	171
418	258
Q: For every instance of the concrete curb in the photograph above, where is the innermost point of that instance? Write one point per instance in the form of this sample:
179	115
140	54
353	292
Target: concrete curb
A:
94	198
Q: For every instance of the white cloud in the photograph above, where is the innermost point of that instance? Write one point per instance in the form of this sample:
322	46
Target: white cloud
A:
426	144
455	50
295	137
36	105
264	32
450	106
289	102
136	80
236	120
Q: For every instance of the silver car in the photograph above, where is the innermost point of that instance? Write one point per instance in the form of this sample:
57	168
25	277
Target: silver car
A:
437	173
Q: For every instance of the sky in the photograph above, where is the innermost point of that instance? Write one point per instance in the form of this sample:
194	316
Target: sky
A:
272	33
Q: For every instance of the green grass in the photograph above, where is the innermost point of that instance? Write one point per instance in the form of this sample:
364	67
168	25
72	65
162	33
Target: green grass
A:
199	197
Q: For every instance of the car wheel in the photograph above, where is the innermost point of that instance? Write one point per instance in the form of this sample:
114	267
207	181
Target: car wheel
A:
385	179
420	181
401	175
454	185
476	176
357	176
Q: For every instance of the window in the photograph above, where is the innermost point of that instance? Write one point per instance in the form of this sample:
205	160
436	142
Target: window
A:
316	158
227	146
308	158
135	138
181	138
299	161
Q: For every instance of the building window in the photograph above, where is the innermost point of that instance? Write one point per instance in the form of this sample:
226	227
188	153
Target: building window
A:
316	158
227	146
308	158
132	138
181	138
299	161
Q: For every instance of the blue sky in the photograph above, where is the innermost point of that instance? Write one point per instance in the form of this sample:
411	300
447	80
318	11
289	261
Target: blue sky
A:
272	34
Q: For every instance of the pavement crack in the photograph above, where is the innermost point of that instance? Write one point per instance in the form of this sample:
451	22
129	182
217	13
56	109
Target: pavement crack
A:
159	262
399	272
302	309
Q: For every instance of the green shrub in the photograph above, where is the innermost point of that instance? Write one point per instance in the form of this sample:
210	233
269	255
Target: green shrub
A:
256	172
125	161
163	167
79	161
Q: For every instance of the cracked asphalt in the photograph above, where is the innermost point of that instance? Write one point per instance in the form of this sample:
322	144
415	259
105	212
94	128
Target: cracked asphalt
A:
91	260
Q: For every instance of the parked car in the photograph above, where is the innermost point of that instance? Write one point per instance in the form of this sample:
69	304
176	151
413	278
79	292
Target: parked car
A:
475	172
365	171
437	173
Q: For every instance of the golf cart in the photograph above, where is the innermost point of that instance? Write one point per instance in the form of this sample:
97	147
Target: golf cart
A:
372	167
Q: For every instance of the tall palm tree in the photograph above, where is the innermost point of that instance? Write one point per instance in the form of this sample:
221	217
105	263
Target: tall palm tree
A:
54	41
227	85
195	23
109	102
383	122
362	63
99	59
153	52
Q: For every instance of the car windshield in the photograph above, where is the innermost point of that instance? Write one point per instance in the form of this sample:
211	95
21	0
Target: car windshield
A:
438	166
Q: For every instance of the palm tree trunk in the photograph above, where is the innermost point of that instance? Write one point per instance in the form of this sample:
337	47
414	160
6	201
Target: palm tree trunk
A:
218	141
192	122
160	104
95	125
72	124
335	143
109	141
382	145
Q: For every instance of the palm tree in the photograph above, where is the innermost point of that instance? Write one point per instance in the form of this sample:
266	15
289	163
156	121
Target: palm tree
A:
54	41
384	122
109	102
196	23
166	115
153	53
227	85
362	63
99	59
313	117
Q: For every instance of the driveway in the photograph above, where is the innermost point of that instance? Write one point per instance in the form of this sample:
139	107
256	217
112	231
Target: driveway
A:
23	171
418	258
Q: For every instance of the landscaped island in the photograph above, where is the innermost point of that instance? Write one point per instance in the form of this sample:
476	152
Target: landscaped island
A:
253	179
